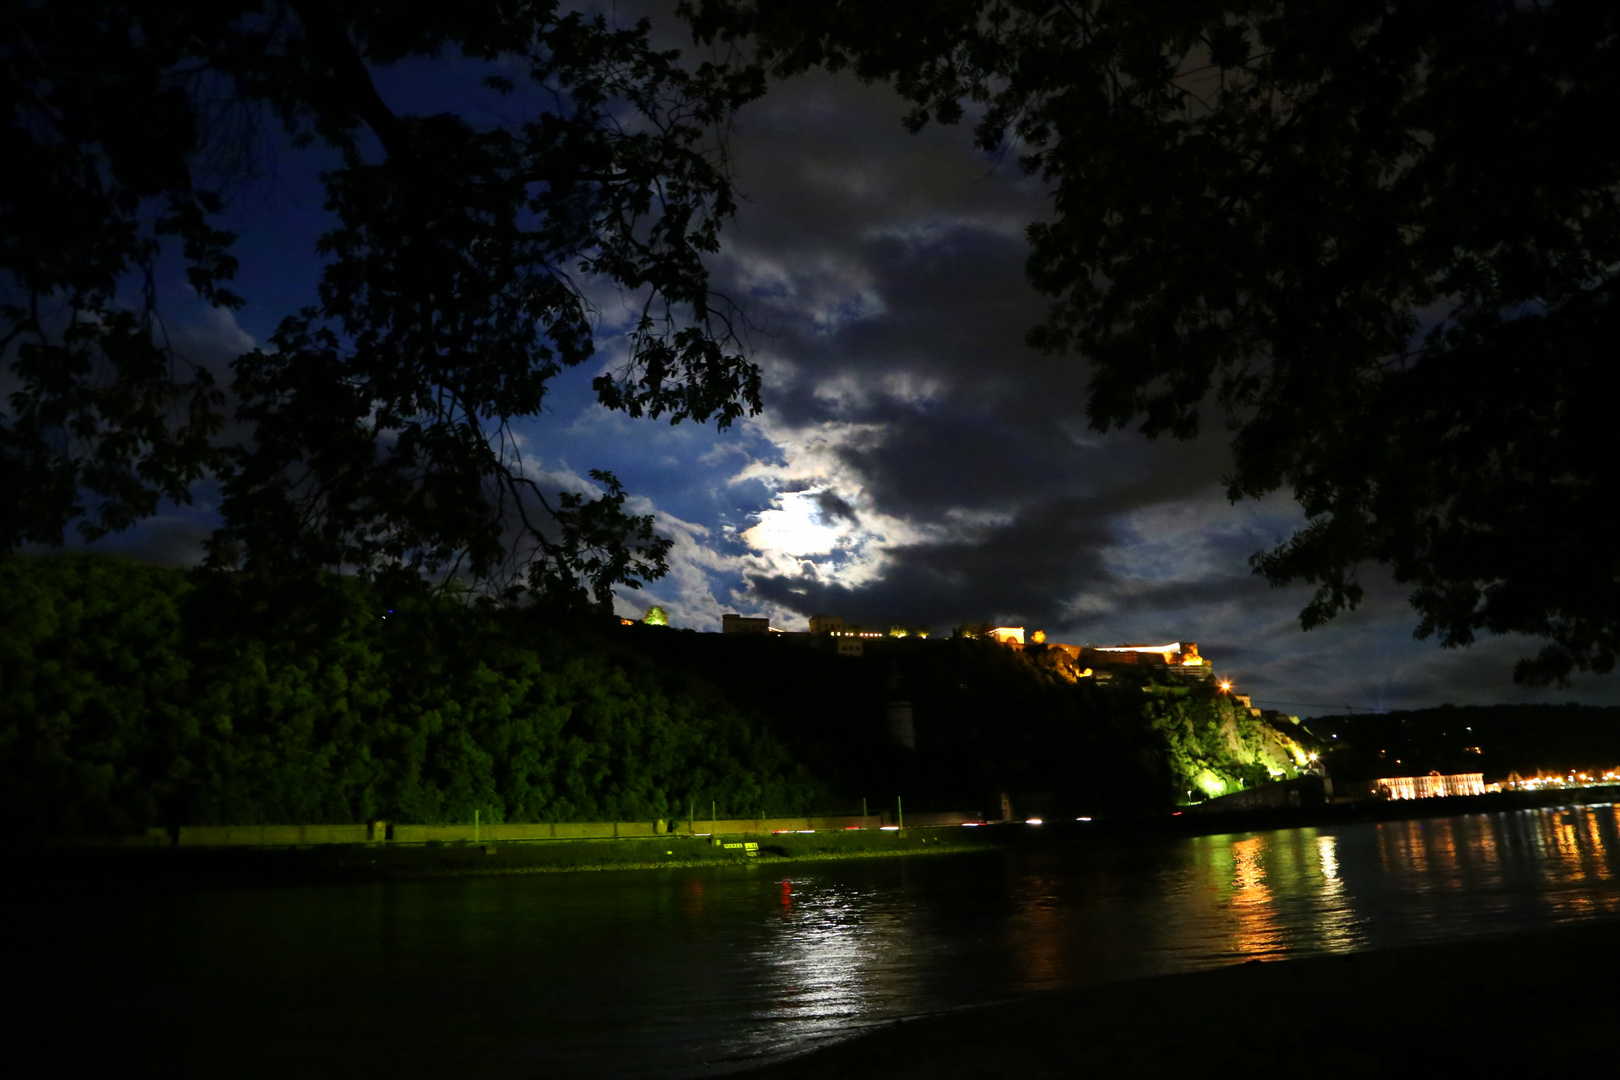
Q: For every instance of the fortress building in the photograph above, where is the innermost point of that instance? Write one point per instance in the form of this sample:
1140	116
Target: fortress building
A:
742	624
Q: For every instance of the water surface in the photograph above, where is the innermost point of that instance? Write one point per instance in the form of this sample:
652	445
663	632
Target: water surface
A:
696	971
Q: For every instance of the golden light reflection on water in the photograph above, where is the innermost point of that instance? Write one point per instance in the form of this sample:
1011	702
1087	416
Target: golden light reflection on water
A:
1569	850
1594	837
1257	931
847	958
1401	850
1575	852
1040	944
1480	839
1441	839
1558	851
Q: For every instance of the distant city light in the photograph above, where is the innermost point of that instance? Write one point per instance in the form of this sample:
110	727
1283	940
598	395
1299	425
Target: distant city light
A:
1536	783
1082	819
1226	684
889	828
1034	821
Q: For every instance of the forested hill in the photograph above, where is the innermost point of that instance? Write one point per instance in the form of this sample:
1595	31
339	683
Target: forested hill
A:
1492	739
987	719
133	696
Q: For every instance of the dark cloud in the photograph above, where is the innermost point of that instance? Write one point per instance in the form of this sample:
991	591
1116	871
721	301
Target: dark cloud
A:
887	273
834	509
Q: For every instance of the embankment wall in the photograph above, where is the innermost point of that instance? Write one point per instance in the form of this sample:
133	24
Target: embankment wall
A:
512	832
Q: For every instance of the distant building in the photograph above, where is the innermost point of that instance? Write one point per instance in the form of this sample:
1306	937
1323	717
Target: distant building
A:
742	624
826	624
851	646
1430	787
1007	635
1190	665
1168	654
1178	658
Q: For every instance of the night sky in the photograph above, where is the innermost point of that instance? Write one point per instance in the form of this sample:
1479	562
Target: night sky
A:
916	462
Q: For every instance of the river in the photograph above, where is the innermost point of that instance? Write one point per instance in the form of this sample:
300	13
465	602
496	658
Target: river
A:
695	972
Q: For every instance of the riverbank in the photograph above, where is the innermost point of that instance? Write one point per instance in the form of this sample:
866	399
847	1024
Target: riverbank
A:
1536	1003
1193	821
388	861
391	860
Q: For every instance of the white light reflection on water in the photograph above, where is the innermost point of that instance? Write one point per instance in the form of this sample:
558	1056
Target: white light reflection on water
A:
831	945
1336	923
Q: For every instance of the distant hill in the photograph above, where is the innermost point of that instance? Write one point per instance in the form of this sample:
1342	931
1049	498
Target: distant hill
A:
1493	739
987	719
135	696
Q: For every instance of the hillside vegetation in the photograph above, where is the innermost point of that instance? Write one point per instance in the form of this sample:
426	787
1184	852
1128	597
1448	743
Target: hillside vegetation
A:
988	720
133	696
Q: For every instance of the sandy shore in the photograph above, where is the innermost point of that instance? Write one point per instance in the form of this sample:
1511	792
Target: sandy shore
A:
1544	1003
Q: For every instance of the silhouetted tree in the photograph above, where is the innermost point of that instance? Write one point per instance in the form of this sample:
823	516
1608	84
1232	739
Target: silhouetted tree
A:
454	288
1381	238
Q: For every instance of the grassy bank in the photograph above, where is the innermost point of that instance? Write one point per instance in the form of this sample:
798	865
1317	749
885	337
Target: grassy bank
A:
410	861
405	862
1533	1004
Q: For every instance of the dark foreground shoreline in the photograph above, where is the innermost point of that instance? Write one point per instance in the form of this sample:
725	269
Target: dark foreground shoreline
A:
1536	1003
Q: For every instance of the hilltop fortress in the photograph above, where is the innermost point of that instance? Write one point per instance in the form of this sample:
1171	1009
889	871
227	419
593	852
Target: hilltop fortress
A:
991	711
1173	663
1100	662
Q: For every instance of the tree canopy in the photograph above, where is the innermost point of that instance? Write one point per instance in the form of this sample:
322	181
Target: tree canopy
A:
1380	239
129	699
376	426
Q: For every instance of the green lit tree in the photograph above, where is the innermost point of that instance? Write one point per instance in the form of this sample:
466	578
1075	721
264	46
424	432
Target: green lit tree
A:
656	616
